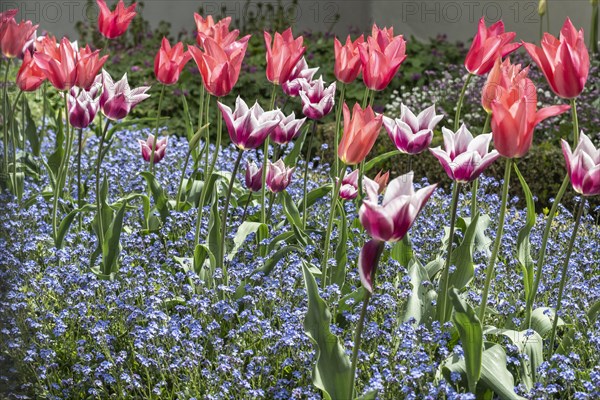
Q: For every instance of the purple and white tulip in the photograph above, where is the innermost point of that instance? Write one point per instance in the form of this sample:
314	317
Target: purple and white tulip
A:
287	129
412	134
292	86
118	99
278	176
583	166
253	177
84	104
317	101
159	151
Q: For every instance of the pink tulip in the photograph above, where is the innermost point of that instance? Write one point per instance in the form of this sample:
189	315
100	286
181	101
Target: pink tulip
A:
253	177
30	76
301	72
249	127
278	176
118	99
113	24
360	132
13	35
465	157
489	44
218	31
283	55
59	64
169	62
412	134
501	78
382	180
347	59
349	188
583	166
89	64
159	150
565	62
317	101
83	104
287	129
381	57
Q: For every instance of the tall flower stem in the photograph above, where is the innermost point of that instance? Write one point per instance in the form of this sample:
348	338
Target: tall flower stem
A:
461	99
443	295
62	169
79	150
5	109
207	139
246	208
44	110
332	210
338	123
492	262
564	271
160	99
225	216
361	322
98	170
183	171
263	190
548	226
594	29
307	161
14	146
201	106
475	185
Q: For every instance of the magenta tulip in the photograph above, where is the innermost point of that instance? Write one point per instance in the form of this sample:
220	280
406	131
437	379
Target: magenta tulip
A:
287	129
253	177
278	176
300	72
317	101
412	134
583	166
84	104
118	99
159	151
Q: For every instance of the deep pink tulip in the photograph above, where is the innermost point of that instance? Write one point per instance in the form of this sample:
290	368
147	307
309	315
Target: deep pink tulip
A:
84	104
287	129
253	177
489	44
249	127
13	35
218	31
301	72
360	132
347	59
169	62
412	134
317	101
89	64
583	166
30	76
381	57
278	176
118	99
465	157
60	64
382	180
565	62
349	188
501	78
283	55
113	24
160	148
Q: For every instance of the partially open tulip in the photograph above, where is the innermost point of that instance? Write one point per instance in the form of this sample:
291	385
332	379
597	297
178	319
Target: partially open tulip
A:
381	57
59	64
412	134
83	104
249	127
13	35
501	78
30	76
287	129
113	24
565	62
159	150
317	101
349	187
300	73
169	62
89	64
278	176
390	221
360	132
118	99
220	70
382	180
583	166
514	117
218	31
489	44
253	177
347	59
465	157
283	54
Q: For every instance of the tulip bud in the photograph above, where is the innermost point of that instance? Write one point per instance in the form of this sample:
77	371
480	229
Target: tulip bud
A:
160	148
253	177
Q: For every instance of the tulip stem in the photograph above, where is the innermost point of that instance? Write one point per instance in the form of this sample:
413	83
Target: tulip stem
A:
272	198
548	226
98	168
361	321
44	109
332	209
475	186
225	216
564	271
14	146
365	98
263	189
160	99
201	105
79	150
183	171
338	123
246	207
62	169
5	109
492	262
443	295
460	102
207	155
307	161
594	29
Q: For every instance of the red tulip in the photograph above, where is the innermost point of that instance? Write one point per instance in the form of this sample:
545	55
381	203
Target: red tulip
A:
347	59
501	78
60	65
381	57
282	55
565	61
89	64
514	117
5	17
489	44
29	77
169	62
13	36
360	133
113	24
220	70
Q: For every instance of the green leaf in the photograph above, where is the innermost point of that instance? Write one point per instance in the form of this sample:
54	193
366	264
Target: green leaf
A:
111	248
341	249
313	196
158	193
541	320
245	229
188	123
201	253
419	305
275	258
567	342
293	217
332	370
65	224
471	335
523	244
214	230
294	154
122	124
379	159
372	395
31	130
54	160
402	251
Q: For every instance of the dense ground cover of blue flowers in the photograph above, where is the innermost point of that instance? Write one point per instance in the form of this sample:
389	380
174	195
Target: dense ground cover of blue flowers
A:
66	334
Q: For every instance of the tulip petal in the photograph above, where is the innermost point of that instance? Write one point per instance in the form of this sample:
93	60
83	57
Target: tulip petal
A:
367	262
